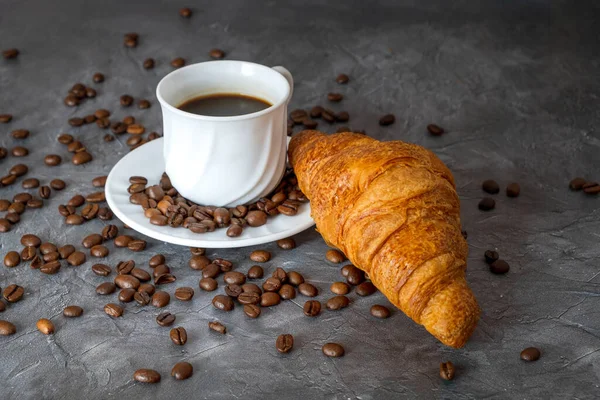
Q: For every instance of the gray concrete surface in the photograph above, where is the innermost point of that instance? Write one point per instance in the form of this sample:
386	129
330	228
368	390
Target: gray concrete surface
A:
516	84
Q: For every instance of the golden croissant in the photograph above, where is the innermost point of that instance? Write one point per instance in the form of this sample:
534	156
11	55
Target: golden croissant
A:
392	208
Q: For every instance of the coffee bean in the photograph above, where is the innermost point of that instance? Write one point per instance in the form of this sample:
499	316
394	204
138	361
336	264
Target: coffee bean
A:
54	256
127	295
184	293
5	225
248	298
136	245
99	251
284	343
447	370
101	269
7	328
71	101
30	183
10	53
45	326
30	240
12	259
379	311
255	272
234	230
260	256
77	258
66	250
106	288
44	192
138	179
143	104
74	219
82	157
198	262
140	274
177	62
76	121
90	93
490	186
98	77
126	100
335	97
34	202
435	130
148	288
312	308
19	151
123	240
217	327
178	336
224	303
577	184
22	198
256	218
88	119
91	240
18	170
309	123
182	370
146	376
52	160
20	134
335	256
160	299
271	285
165	319
499	267
142	298
28	253
513	190
5	118
365	289
342	79
269	299
491	256
280	274
148	63
217	54
48	247
287	292
487	204
12	217
50	268
72	311
234	277
157	260
340	288
387	119
13	293
308	290
96	197
591	188
530	354
57	184
333	350
17	208
105	214
136	129
337	303
127	282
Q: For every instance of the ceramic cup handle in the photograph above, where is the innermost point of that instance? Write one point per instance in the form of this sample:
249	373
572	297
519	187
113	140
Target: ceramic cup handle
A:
288	76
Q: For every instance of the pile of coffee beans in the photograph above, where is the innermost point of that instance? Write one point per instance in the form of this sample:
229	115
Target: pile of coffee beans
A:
589	187
163	206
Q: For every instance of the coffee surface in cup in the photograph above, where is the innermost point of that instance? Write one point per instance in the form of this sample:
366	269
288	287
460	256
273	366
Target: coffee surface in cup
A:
224	105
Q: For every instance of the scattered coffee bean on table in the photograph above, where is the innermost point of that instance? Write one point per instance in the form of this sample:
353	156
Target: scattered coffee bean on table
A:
337	302
178	336
208	284
5	118
72	311
333	350
146	376
577	184
113	310
217	54
284	343
435	130
513	190
255	272
379	311
308	289
447	370
312	308
182	370
335	256
12	259
184	293
45	326
98	77
177	62
260	256
499	267
223	303
217	327
387	119
295	278
487	204
490	186
286	244
530	354
490	256
7	328
185	12
252	310
342	79
106	288
165	319
340	288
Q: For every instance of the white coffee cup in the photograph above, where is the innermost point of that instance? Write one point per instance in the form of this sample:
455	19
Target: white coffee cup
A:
225	161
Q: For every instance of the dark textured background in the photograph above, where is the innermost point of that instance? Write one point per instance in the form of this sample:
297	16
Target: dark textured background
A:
516	84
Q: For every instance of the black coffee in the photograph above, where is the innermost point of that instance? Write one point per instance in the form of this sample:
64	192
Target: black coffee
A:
224	105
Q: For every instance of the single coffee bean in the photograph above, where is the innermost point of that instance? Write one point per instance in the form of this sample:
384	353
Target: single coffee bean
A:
136	245
312	308
287	292
5	225
365	289
333	350
44	192
499	267
379	311
252	310
182	370
490	186
234	277
140	274
5	118
248	298
208	284
20	134
160	299
199	262
271	285
217	54
355	276
221	302
295	278
99	251
35	203
340	288
447	370
177	62
256	218
65	251
147	287
52	160
122	240
491	256
20	151
346	270
106	288
260	256
82	157
50	268
337	303
342	79
7	328
101	269
126	100
280	274
28	253
148	63
165	319
113	310
142	298
286	244
4	204
125	267
234	230
48	247
22	198
284	343
12	217
76	201
136	129
435	130
251	288
54	256
96	197
18	170
184	293
308	290
98	77
45	326
71	101
217	327
12	259
530	354
146	375
387	119
77	258
110	232
513	190
211	271
99	181
57	184
269	299
17	208
577	184
335	256
157	260
88	119
127	282
178	336
591	188
162	279
73	311
76	121
335	97
92	240
13	293
255	272
74	219
309	123
143	104
487	204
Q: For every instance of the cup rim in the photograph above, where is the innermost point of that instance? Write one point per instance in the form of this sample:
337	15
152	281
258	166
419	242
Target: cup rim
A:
256	114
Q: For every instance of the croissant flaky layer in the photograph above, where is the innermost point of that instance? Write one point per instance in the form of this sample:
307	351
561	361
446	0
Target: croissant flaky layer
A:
392	208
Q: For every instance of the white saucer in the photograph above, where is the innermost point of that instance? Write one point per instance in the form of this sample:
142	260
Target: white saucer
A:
148	161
